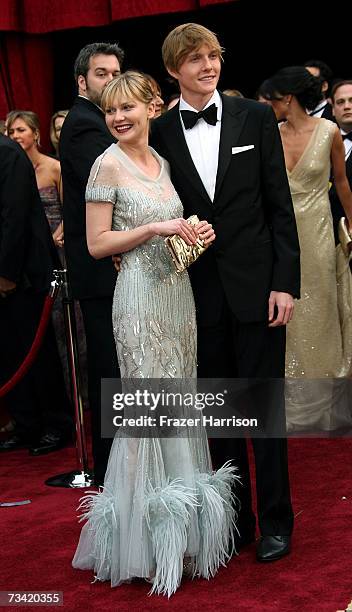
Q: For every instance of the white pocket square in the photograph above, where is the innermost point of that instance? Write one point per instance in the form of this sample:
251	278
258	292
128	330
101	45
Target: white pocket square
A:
241	149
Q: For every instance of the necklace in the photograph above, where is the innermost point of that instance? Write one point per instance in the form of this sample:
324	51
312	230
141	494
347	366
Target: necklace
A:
36	165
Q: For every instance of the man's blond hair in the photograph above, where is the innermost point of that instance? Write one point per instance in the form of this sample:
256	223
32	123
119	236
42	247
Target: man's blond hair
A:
183	40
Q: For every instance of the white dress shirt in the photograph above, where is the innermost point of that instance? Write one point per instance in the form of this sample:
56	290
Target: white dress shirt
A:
319	109
203	142
347	144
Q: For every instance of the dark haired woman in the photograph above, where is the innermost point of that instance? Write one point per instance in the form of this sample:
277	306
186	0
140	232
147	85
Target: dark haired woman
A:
319	338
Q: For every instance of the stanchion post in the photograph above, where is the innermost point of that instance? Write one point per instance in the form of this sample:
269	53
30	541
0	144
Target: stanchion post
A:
81	477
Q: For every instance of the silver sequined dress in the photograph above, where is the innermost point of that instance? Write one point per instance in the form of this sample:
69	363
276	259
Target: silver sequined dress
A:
161	502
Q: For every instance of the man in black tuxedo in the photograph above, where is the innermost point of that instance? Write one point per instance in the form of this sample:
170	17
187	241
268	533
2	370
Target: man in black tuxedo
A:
341	97
84	137
323	72
38	403
227	165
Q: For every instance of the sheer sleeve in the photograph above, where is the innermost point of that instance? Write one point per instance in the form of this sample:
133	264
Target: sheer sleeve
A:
102	182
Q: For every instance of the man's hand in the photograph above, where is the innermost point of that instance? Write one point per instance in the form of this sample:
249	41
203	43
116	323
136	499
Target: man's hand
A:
205	232
284	304
6	286
117	262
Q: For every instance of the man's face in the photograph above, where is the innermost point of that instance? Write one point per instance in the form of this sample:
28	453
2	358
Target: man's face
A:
102	69
342	107
199	73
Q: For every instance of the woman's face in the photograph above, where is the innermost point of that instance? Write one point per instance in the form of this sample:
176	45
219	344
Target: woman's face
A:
263	100
128	120
159	103
58	125
23	134
280	109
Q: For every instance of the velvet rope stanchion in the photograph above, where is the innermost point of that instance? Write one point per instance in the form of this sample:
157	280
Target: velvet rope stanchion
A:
38	339
81	477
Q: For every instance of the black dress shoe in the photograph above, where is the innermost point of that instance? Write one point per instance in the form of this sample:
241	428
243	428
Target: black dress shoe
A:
13	443
272	548
48	443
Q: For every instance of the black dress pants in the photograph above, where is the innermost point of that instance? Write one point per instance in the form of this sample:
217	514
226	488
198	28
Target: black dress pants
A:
102	363
231	349
39	402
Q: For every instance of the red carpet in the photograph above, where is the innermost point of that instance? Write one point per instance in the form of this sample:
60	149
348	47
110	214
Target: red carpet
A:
39	539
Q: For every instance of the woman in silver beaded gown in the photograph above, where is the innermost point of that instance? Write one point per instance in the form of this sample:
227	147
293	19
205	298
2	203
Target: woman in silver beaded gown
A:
162	509
319	337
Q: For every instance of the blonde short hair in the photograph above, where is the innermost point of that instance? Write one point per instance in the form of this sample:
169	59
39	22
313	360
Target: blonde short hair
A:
183	40
235	93
29	117
130	85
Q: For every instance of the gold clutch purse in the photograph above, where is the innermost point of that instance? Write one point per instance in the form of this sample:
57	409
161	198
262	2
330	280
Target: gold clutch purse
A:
344	237
183	254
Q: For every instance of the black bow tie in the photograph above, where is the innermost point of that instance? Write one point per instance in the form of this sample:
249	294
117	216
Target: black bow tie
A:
347	136
209	115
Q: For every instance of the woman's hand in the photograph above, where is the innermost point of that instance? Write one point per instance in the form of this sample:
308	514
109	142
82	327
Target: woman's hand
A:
117	262
205	232
58	238
58	235
176	226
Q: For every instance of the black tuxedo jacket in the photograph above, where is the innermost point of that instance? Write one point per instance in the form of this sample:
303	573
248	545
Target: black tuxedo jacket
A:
336	206
256	248
84	137
27	251
327	113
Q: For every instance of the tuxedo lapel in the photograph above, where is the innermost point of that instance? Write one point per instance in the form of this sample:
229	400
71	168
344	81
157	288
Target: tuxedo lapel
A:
349	167
232	122
179	152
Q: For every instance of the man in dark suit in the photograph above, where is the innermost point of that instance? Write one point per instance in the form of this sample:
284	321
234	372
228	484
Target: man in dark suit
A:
323	72
38	403
227	165
341	97
84	137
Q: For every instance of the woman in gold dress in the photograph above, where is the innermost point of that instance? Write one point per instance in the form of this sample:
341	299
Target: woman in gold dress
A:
319	338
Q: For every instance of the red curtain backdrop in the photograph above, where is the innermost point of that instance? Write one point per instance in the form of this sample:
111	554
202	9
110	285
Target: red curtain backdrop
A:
43	16
26	77
26	59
